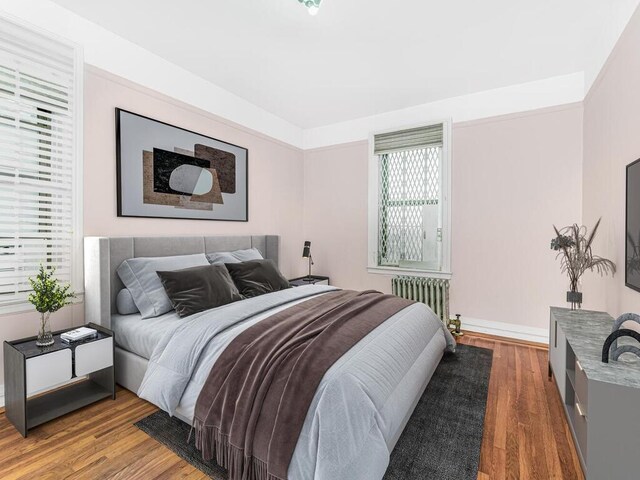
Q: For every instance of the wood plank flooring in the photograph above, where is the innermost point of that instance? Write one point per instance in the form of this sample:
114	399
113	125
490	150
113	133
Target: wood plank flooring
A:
525	436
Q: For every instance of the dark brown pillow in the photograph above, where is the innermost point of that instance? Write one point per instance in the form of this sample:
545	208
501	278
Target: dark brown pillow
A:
257	277
196	289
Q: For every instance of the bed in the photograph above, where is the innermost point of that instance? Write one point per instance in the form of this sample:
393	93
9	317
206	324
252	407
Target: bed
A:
363	401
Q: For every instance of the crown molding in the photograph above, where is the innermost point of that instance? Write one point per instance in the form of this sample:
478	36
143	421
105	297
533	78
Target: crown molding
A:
562	90
110	52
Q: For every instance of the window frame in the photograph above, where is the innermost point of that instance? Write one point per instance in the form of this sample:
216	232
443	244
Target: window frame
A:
77	165
373	206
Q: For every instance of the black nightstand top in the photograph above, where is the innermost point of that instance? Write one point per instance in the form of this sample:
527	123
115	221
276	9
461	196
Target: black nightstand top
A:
28	348
306	280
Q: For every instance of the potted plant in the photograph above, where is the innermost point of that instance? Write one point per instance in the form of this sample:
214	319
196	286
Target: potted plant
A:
573	245
48	296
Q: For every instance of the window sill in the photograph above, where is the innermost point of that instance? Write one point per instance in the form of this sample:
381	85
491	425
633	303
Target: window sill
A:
409	271
26	307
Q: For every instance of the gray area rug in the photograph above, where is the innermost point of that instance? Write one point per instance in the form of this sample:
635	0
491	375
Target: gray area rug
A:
441	441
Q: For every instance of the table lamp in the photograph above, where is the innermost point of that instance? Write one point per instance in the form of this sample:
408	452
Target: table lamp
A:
306	253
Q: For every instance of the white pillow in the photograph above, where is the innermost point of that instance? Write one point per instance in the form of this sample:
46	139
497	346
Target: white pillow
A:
140	277
125	304
238	256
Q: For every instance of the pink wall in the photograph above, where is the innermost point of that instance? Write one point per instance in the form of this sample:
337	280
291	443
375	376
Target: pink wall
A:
275	183
611	141
335	215
275	170
513	176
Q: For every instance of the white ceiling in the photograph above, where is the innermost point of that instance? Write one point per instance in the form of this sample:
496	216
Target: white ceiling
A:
364	57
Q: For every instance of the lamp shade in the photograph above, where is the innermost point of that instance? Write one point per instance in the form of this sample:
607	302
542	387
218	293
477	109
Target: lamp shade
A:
306	251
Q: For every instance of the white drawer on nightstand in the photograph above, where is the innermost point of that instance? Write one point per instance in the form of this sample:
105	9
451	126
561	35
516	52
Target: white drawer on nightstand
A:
94	356
48	370
41	384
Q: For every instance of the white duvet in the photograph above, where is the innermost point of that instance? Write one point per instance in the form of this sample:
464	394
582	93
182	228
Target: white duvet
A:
361	404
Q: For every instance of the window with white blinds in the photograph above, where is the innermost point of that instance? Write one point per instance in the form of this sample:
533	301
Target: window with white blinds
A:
40	122
409	230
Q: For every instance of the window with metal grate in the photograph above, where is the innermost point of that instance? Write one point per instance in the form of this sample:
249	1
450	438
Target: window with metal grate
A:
411	199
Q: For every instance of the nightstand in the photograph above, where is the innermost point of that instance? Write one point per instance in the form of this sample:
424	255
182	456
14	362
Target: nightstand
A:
306	280
38	384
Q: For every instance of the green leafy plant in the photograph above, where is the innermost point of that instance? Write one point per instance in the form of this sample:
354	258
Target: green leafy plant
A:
49	295
574	247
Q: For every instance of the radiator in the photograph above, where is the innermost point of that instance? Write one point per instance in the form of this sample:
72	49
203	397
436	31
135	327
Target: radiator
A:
434	292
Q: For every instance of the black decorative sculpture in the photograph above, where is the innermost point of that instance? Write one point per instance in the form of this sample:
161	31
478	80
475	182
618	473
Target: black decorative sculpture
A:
617	332
621	320
623	332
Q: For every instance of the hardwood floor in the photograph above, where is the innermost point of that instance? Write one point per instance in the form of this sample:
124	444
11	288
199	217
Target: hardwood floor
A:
525	436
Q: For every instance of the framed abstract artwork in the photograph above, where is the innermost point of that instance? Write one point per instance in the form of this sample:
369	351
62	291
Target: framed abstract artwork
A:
170	172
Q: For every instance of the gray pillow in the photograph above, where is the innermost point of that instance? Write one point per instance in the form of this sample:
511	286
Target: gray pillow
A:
140	277
196	289
219	258
125	303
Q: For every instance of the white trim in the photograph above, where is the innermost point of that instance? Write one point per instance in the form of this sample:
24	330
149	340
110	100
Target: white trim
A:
524	97
372	206
77	252
373	191
509	330
108	51
1	396
409	272
114	54
447	160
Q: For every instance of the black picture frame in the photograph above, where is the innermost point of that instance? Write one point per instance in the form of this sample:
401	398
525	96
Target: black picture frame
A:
626	227
122	208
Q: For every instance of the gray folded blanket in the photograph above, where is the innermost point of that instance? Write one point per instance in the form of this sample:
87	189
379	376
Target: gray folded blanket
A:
251	410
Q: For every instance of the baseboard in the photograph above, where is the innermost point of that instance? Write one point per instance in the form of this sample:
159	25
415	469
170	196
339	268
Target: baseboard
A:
2	396
509	330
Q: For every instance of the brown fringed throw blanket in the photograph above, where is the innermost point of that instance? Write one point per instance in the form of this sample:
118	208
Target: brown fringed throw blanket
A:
252	408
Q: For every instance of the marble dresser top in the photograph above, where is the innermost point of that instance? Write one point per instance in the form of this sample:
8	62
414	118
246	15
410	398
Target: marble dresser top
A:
586	332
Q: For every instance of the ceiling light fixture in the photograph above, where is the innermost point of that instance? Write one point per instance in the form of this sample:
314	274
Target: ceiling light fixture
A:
312	5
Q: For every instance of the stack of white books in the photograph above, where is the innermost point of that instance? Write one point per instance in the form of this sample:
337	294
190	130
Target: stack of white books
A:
78	334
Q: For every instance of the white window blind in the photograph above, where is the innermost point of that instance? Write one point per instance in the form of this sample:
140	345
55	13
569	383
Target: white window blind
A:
40	121
413	138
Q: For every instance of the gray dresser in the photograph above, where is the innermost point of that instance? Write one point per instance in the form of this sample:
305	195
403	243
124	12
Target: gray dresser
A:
601	400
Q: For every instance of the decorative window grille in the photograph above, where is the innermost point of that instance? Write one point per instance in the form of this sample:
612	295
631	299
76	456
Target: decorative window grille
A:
39	160
409	197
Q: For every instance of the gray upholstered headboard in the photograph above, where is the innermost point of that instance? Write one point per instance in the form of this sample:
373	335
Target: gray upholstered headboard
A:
103	255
